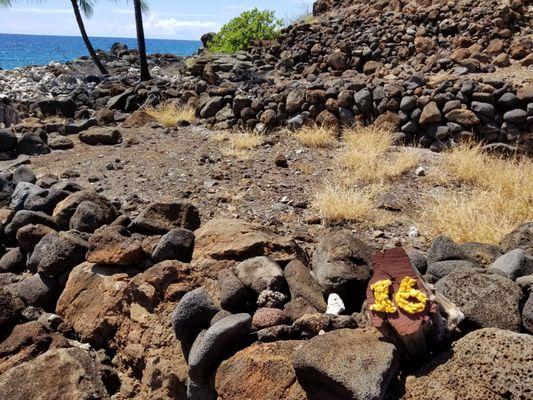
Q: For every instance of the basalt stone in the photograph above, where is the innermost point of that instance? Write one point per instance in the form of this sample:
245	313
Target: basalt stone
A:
22	191
483	109
440	269
32	145
487	300
10	310
513	264
177	244
37	290
260	273
28	236
65	209
266	317
7	187
114	245
24	174
521	237
302	285
192	314
88	217
508	100
516	116
527	313
159	218
58	252
8	140
443	248
219	341
13	261
341	264
25	217
363	101
101	136
430	114
233	293
361	367
51	107
45	200
408	103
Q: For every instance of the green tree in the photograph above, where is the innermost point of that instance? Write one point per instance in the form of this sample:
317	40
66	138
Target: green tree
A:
239	33
87	7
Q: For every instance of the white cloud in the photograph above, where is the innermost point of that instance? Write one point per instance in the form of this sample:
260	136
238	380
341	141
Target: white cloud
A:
43	10
173	25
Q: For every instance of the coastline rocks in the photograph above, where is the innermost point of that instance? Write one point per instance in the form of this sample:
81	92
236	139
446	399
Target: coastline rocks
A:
361	367
485	364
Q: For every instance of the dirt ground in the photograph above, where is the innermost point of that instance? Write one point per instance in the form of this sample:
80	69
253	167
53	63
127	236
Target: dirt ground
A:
156	164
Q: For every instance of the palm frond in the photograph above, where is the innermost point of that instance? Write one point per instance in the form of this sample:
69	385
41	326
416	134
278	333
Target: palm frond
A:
6	3
86	7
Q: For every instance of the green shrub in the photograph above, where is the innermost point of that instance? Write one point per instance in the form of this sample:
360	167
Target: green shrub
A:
251	25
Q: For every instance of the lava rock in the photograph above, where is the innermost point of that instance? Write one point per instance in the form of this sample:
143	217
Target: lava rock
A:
177	244
260	273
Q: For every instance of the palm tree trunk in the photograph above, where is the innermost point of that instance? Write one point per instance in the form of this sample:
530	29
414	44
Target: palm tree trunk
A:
86	40
145	73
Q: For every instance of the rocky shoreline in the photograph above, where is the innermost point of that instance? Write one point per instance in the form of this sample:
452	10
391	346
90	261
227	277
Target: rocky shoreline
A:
138	262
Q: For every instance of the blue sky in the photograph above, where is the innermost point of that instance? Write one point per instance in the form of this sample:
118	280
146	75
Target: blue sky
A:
168	19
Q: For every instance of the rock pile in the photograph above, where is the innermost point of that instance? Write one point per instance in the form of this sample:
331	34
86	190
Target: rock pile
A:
178	309
423	68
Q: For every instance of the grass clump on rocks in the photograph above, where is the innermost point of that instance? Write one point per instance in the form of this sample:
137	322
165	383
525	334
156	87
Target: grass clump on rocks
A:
170	114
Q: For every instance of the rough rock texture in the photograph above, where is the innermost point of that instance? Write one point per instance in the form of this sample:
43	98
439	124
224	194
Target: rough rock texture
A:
159	218
70	374
260	273
488	364
341	264
114	245
487	300
360	367
262	371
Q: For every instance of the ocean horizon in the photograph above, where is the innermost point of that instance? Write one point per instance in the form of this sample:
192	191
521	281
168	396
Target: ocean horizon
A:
19	50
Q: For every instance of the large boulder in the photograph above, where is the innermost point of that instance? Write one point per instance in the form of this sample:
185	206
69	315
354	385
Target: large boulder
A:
262	371
233	239
159	218
57	374
488	364
341	264
92	301
346	364
487	300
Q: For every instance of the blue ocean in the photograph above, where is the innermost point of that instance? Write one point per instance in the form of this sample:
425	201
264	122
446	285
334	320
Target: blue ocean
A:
22	50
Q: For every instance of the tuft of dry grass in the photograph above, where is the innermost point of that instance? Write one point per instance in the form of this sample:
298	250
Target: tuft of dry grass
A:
367	155
239	145
340	203
170	114
315	136
497	197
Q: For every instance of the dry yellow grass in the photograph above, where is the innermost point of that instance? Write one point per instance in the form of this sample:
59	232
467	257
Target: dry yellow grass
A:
239	145
363	167
497	196
340	203
169	114
315	136
367	155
